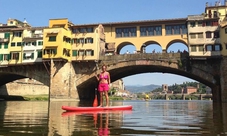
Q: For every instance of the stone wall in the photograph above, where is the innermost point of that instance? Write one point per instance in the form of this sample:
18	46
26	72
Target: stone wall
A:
24	87
223	79
62	82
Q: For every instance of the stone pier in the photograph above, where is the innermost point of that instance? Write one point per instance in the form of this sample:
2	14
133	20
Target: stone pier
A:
62	81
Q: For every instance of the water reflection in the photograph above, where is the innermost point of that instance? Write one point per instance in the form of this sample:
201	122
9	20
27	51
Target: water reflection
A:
146	118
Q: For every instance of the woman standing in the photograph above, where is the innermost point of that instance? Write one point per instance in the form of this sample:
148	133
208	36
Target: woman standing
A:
103	87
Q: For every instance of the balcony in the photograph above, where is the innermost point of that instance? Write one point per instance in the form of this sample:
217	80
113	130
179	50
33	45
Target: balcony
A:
32	38
4	39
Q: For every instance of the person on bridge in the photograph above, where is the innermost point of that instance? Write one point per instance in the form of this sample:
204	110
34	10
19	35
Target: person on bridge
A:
103	87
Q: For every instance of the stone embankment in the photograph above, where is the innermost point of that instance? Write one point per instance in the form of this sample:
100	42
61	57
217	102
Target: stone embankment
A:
24	87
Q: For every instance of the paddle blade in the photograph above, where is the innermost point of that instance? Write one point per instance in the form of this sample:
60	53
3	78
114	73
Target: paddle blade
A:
95	103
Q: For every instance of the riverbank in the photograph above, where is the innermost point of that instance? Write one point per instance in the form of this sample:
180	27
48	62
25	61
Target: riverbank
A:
42	97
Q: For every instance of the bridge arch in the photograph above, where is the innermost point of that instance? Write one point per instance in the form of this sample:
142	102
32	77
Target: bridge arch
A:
124	67
36	71
149	43
121	45
176	41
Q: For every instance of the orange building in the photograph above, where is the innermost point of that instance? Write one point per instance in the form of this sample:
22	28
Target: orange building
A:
189	90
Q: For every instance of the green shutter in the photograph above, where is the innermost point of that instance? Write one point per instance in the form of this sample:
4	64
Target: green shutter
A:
74	52
39	54
7	35
24	56
1	56
0	45
9	56
92	53
32	56
72	41
6	46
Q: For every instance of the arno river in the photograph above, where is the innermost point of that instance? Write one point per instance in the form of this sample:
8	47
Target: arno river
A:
155	117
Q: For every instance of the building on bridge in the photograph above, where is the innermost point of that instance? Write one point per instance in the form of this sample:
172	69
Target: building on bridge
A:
20	43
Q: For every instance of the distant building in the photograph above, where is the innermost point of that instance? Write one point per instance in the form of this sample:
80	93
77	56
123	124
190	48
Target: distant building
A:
208	90
189	90
164	87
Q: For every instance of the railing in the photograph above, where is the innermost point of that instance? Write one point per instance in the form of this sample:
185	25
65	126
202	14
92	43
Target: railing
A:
145	56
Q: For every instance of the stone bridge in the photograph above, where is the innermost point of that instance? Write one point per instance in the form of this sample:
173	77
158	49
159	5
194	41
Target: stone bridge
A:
37	71
120	66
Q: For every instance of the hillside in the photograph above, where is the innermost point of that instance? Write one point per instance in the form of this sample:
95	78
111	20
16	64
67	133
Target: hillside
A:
140	88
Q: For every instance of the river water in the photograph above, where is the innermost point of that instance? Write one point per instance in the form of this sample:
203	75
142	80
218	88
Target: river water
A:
155	117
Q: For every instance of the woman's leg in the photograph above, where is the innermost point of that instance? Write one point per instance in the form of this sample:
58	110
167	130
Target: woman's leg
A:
101	99
107	98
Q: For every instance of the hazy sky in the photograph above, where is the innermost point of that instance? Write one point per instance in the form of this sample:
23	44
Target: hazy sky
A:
38	13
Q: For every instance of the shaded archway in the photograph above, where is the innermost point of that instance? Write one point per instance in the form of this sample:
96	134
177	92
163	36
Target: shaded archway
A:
152	47
177	46
122	45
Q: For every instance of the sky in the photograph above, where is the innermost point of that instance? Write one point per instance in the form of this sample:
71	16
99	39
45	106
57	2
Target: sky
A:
38	13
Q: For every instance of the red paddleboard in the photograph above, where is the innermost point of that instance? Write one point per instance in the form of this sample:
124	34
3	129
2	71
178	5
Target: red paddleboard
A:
69	108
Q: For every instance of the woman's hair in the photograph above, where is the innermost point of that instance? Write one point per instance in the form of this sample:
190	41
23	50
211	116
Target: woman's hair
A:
104	66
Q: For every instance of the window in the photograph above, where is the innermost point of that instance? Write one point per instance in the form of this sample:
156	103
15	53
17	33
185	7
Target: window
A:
40	42
200	48
39	53
89	40
74	52
50	51
208	23
0	45
200	23
193	48
192	24
17	34
89	53
6	46
209	47
225	30
126	32
7	35
158	30
52	38
217	47
34	43
143	31
28	56
192	36
81	52
4	57
216	35
168	30
215	13
27	43
13	44
14	55
200	35
208	35
19	43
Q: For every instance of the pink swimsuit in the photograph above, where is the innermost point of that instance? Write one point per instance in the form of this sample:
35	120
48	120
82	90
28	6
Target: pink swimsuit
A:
103	86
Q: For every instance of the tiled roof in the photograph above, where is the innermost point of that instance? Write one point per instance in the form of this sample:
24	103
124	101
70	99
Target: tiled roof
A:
135	22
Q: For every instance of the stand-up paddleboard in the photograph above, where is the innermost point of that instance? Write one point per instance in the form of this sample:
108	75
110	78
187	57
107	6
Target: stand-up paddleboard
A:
69	108
70	113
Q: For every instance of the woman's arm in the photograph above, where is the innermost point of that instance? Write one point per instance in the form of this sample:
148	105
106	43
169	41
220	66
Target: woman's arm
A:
97	77
109	78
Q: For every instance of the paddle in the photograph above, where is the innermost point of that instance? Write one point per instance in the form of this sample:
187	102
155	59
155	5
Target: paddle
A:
95	103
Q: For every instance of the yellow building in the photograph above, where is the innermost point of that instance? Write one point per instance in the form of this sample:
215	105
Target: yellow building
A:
219	11
57	40
11	41
88	42
143	33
